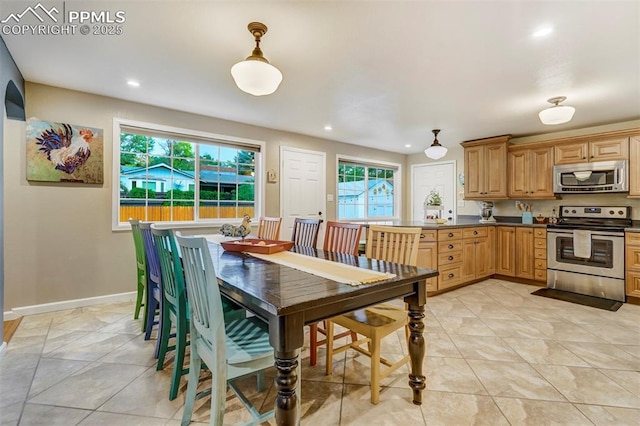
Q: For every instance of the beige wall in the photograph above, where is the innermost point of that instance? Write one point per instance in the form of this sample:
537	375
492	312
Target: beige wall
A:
58	237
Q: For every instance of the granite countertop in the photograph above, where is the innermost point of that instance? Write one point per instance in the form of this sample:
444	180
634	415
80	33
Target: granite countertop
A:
462	222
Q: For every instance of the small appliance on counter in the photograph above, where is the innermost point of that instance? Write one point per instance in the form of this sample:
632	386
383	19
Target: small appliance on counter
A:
487	212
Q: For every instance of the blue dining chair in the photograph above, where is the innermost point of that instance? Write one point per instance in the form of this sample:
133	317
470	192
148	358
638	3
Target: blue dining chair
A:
230	349
141	268
154	285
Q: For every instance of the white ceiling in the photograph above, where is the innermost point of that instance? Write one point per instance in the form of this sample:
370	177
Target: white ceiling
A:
382	74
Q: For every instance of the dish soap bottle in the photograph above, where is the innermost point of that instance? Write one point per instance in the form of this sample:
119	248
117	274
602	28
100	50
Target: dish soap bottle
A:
553	218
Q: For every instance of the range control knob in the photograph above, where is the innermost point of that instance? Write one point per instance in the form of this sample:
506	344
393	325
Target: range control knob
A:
573	211
566	211
620	212
611	212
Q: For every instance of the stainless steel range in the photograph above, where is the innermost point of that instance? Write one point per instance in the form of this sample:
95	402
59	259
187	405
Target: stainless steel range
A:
585	251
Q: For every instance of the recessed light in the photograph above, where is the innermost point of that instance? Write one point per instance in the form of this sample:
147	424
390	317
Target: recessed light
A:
408	145
328	128
133	83
543	32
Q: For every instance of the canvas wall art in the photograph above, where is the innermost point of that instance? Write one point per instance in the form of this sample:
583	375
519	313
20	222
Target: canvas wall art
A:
62	152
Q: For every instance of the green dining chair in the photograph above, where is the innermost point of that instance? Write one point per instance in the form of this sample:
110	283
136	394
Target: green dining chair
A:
141	265
230	349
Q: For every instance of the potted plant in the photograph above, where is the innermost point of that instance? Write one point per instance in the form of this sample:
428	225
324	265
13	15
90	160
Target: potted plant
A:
433	199
432	207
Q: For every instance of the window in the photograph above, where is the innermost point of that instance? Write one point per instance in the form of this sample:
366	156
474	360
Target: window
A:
367	191
175	175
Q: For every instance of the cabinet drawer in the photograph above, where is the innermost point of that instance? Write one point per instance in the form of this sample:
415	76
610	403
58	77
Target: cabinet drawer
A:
428	236
449	277
633	284
540	264
540	233
540	243
449	246
449	234
633	238
474	232
633	257
449	258
540	274
540	253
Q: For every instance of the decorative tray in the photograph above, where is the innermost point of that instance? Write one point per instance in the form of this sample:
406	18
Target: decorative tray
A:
254	245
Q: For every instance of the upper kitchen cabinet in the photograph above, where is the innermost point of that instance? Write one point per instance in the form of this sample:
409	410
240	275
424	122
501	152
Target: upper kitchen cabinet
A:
485	168
634	166
589	151
530	172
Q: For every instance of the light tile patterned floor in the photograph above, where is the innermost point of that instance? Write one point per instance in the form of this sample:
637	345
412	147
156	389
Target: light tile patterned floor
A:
495	356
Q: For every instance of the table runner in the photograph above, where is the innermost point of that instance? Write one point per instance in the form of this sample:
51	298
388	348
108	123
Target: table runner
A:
334	271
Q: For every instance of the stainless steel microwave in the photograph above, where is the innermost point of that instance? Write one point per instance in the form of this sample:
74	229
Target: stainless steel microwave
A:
589	178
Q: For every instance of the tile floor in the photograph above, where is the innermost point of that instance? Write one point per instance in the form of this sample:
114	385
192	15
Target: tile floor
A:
495	356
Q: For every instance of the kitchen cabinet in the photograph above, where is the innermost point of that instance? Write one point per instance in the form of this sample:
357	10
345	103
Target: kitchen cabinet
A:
530	172
477	246
428	255
505	250
450	258
589	151
632	258
485	168
540	254
524	252
634	166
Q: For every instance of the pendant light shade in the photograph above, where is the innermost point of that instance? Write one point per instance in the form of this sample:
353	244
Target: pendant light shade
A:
435	151
557	114
255	75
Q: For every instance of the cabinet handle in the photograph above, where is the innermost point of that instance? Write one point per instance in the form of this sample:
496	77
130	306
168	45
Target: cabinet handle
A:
450	258
475	232
450	246
450	235
423	236
451	275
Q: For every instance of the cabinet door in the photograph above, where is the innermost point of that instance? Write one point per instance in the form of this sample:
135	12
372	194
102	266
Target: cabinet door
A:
473	172
484	257
572	153
634	166
495	171
540	172
505	241
616	149
468	259
428	258
518	174
633	283
524	253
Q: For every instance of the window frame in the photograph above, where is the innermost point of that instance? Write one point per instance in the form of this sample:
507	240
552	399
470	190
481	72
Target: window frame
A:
199	138
397	189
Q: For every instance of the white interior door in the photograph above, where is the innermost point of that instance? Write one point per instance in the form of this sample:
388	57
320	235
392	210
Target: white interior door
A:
302	187
438	176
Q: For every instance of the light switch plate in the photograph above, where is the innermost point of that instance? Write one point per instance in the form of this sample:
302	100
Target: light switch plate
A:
329	197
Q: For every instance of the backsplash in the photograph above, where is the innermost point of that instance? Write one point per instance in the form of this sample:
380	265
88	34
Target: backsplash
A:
544	207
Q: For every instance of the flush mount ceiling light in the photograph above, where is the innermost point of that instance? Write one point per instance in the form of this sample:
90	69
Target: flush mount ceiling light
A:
255	75
557	114
435	151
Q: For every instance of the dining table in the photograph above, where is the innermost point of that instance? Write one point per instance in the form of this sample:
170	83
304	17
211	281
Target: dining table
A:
288	299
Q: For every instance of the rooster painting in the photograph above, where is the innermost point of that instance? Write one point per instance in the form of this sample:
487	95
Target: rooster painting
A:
242	230
67	150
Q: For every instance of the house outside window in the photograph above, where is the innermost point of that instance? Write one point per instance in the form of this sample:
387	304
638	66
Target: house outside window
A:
176	175
367	191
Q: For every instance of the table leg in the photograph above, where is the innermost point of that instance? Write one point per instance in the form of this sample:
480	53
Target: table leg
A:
286	380
416	351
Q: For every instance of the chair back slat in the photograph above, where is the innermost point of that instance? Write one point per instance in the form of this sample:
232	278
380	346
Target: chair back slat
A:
138	243
153	263
269	227
204	295
305	232
342	237
393	244
170	267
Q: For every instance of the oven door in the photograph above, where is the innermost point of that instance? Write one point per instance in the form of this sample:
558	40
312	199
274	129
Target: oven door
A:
607	254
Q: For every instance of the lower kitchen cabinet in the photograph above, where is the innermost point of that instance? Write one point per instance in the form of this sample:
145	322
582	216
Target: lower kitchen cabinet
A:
428	255
505	250
515	252
540	254
633	263
477	249
524	252
450	258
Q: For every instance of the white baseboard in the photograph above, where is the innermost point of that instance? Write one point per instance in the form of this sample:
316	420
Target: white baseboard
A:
16	313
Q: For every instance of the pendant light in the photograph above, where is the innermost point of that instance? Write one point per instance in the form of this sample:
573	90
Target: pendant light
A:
255	75
435	151
557	114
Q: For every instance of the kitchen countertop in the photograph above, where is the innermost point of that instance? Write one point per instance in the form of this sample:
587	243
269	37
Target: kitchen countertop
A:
461	222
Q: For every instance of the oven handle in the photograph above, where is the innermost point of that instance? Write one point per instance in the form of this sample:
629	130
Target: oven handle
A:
593	233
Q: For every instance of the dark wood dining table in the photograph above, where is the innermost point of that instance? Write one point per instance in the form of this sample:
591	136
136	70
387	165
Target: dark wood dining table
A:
288	299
